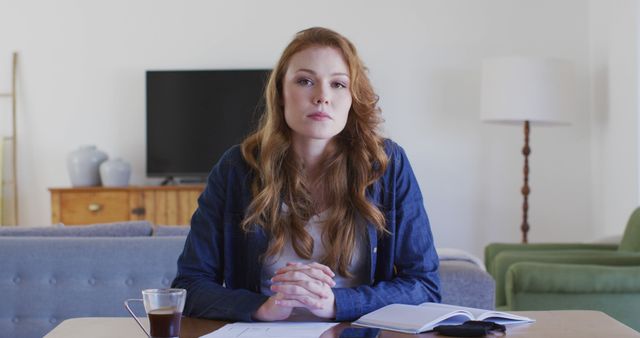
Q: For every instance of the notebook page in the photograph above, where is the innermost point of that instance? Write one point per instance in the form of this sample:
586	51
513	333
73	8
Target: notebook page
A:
411	318
481	314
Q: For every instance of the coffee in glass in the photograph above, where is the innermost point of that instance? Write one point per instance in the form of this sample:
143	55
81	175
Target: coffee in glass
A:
164	309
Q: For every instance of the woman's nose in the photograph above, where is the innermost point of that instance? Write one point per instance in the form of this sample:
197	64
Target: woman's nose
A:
321	96
321	100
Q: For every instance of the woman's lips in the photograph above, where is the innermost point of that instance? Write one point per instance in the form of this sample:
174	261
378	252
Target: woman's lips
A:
319	116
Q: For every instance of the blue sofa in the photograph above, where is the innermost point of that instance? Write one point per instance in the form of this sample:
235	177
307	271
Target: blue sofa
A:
48	278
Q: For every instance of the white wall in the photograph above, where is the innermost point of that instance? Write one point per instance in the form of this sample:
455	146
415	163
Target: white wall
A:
614	42
82	82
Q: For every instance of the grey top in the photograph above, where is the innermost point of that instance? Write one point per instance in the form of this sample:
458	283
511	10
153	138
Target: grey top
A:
314	227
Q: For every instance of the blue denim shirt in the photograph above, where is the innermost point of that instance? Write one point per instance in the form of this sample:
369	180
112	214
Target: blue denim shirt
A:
220	265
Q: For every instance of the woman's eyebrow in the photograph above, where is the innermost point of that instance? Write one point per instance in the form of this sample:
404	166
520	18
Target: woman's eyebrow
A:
314	73
306	70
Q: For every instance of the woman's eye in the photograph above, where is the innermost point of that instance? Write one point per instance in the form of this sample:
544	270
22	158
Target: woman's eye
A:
304	82
339	85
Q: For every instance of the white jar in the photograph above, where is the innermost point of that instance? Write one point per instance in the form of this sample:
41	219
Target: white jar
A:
83	164
115	173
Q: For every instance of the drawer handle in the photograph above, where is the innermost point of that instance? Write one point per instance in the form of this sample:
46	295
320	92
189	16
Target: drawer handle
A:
140	211
94	207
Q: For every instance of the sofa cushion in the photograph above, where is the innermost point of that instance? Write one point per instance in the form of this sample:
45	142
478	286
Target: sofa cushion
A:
116	229
171	230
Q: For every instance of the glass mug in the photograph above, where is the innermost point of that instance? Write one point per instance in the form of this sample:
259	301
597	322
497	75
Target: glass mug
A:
164	309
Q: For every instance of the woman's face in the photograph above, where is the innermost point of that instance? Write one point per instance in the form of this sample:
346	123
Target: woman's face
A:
316	93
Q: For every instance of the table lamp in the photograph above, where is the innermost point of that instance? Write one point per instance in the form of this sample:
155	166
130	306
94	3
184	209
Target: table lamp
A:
523	90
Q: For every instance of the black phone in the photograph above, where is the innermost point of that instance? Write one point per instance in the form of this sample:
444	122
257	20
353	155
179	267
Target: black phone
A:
360	332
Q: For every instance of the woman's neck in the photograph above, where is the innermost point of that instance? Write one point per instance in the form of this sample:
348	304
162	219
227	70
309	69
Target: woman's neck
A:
311	151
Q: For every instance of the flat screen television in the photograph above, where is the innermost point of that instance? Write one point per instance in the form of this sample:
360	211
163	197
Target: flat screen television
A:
194	116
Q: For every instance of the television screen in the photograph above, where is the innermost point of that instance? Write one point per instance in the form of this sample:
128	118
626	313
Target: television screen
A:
194	116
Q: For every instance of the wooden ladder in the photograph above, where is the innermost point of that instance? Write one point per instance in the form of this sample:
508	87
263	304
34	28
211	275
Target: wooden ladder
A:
13	138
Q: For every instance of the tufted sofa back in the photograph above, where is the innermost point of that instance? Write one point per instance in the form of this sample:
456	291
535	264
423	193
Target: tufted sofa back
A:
114	229
45	280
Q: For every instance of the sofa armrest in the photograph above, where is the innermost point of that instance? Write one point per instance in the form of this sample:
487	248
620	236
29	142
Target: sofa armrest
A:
504	260
614	290
493	249
465	284
571	278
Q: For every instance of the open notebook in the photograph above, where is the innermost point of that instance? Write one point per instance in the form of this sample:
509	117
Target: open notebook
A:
426	316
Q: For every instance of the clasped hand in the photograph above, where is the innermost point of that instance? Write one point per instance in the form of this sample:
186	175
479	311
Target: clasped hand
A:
300	285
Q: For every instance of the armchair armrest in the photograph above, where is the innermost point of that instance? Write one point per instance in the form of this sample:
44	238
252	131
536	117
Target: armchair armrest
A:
494	249
505	259
571	278
614	290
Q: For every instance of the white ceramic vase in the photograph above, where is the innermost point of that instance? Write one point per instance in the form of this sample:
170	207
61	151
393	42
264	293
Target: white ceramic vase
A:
83	164
115	173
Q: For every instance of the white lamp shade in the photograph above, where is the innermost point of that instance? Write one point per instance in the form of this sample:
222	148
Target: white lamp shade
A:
517	89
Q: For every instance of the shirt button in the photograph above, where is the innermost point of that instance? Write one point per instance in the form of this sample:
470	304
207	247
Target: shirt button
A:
129	281
375	249
92	281
16	279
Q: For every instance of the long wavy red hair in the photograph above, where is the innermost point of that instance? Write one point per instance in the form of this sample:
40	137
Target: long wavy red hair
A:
356	160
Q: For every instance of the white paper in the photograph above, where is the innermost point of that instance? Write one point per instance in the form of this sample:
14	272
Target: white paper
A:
278	329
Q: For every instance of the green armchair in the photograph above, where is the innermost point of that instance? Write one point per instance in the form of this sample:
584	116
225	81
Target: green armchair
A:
563	276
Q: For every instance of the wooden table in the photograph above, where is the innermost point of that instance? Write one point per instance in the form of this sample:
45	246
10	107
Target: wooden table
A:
565	324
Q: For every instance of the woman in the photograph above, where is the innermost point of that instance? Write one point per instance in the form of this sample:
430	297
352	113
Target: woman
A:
315	211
